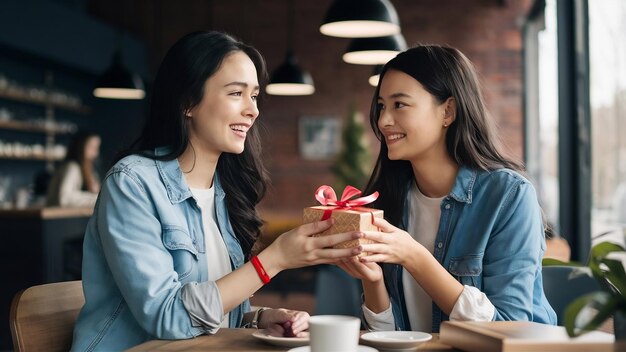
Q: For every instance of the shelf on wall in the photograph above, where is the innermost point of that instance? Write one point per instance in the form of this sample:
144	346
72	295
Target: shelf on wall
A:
32	157
25	98
26	127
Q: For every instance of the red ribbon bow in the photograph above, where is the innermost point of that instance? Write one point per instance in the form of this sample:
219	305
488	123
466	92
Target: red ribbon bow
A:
326	196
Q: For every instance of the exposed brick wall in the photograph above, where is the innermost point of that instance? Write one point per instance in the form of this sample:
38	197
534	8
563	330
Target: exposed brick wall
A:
487	31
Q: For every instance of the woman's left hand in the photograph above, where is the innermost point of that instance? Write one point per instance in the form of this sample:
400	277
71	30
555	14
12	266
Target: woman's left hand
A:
284	322
391	244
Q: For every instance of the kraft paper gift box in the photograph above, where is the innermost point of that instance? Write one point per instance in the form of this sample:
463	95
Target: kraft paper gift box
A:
346	220
349	215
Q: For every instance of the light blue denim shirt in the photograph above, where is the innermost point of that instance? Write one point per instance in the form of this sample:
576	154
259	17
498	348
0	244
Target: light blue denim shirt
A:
143	245
490	236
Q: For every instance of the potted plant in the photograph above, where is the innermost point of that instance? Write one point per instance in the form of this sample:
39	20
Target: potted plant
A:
607	268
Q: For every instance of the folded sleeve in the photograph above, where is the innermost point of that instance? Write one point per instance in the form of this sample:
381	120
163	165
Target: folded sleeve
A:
382	321
472	305
204	304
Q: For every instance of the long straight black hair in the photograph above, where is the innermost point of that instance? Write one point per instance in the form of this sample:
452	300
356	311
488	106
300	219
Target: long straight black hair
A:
178	88
471	140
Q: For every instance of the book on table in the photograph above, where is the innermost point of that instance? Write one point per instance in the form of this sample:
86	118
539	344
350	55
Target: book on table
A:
515	336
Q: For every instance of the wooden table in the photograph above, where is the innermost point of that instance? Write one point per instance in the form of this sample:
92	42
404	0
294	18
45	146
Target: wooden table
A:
230	340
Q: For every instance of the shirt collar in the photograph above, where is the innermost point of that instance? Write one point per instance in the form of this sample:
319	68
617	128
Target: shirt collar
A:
175	183
464	185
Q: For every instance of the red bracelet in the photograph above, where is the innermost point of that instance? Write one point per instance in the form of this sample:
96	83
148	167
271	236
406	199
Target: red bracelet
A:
260	269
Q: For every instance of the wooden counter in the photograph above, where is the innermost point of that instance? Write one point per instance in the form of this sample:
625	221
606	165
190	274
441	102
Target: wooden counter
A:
39	245
45	213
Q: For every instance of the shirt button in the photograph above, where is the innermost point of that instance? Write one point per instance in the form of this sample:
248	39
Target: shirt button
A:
439	245
447	206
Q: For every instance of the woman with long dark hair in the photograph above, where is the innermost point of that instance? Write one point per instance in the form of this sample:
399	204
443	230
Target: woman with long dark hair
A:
168	253
75	182
463	237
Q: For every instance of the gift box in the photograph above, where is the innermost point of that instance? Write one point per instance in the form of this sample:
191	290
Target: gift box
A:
349	214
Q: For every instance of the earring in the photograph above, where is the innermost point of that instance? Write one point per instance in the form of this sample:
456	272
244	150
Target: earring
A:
445	125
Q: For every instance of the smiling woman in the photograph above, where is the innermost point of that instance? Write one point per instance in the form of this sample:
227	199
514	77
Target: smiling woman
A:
168	252
463	237
229	106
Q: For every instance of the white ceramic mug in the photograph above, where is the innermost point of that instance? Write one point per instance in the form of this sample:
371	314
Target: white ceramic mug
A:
334	333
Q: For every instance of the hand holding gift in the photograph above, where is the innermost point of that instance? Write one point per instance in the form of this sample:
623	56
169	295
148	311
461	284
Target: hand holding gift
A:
349	214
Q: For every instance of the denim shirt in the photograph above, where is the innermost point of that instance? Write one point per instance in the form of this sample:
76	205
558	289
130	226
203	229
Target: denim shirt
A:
491	237
143	244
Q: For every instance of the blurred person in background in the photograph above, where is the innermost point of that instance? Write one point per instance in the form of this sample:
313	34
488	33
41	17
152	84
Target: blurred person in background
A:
75	182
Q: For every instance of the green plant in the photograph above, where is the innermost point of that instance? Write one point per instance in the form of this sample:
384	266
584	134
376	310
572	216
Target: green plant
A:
353	164
608	269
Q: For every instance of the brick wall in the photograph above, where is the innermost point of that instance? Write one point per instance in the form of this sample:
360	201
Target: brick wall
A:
487	31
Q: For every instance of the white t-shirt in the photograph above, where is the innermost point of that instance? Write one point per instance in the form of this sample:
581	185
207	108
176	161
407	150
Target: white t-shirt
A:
218	261
422	226
472	304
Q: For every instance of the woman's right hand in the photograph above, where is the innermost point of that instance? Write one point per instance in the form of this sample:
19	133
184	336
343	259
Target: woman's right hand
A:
298	248
367	272
371	276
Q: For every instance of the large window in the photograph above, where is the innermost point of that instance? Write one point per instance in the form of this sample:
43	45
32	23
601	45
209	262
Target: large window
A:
542	108
607	60
575	84
548	116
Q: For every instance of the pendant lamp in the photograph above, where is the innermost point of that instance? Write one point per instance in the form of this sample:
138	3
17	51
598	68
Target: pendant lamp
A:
375	77
360	19
117	82
289	78
374	51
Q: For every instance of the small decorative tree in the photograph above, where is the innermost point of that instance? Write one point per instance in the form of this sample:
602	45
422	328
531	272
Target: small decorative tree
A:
353	164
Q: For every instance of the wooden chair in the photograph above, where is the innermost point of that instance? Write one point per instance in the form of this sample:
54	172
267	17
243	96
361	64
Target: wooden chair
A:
42	317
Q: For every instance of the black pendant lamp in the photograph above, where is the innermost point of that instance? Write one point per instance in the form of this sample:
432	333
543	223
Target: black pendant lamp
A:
117	82
375	77
360	19
374	51
289	78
